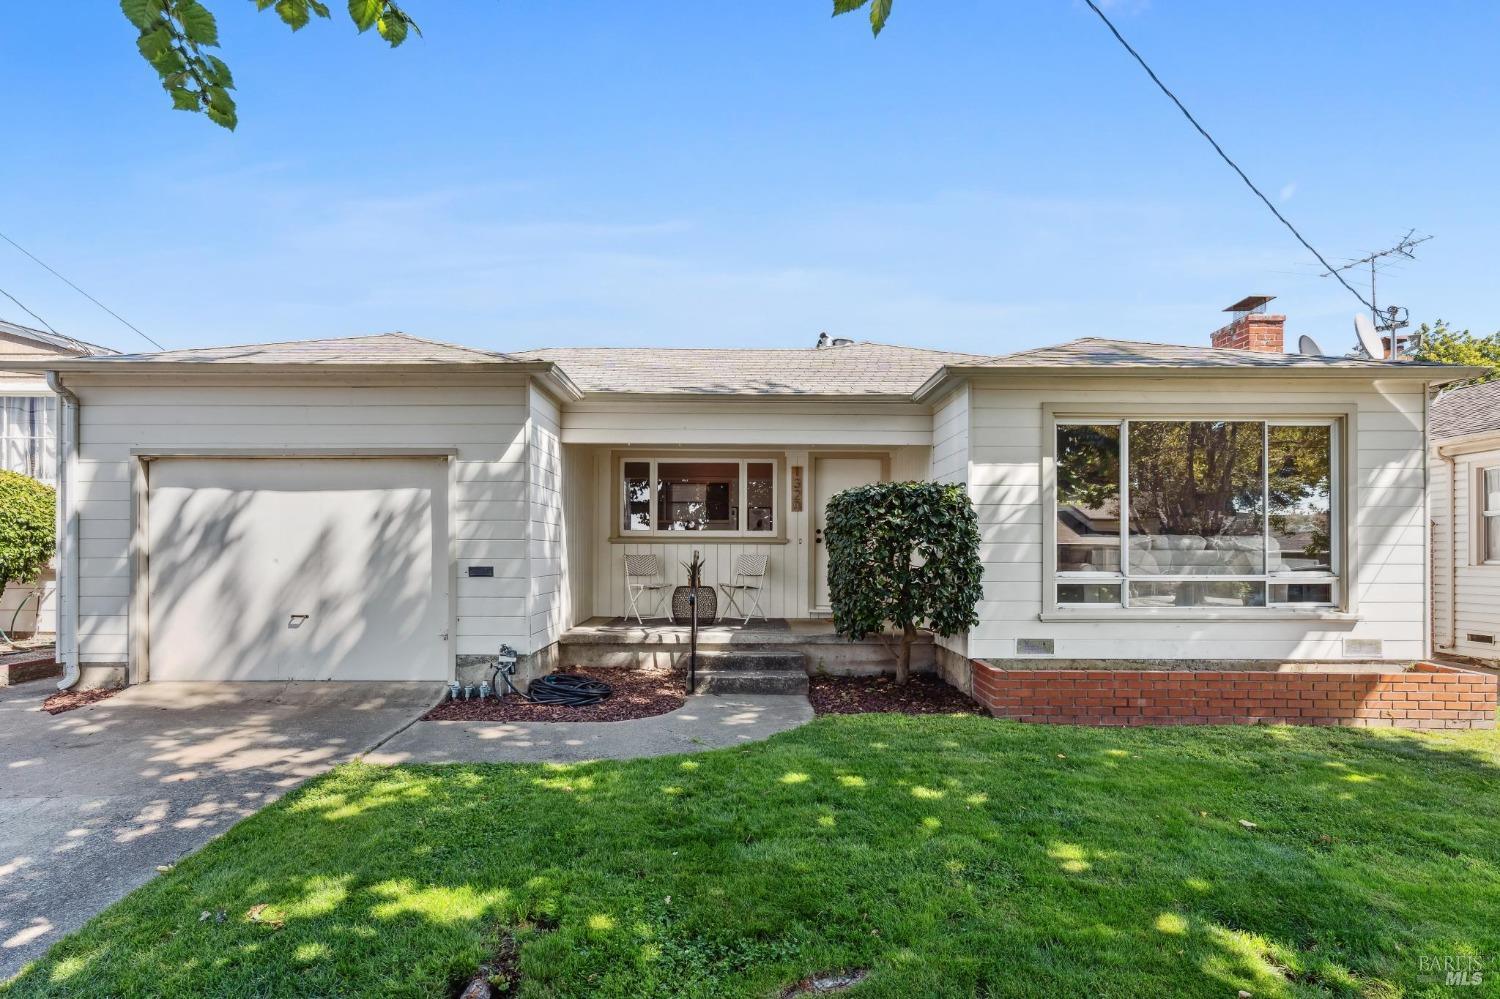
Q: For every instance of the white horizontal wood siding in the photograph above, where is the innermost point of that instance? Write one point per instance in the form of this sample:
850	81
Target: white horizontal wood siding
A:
950	463
1006	446
759	422
1456	541
550	595
582	494
484	422
950	438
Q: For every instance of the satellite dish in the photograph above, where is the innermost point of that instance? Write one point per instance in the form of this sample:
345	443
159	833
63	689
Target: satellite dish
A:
1368	338
1308	346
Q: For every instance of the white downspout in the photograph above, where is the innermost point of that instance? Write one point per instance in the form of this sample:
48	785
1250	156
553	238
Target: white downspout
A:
1452	549
67	535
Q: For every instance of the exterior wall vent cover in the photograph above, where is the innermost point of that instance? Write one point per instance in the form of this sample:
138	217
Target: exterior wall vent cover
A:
1363	648
1481	639
1034	646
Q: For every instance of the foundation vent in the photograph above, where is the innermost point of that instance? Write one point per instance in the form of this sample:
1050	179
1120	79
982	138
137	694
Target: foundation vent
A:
1034	647
1481	639
1363	648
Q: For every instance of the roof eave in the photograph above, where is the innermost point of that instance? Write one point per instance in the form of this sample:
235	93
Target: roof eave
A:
595	395
99	365
1474	440
1430	374
557	380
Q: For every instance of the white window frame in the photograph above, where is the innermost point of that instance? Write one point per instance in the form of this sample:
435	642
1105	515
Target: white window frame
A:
37	444
1486	519
777	511
1123	578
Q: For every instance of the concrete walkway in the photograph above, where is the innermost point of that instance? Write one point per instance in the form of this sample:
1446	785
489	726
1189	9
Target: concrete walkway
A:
93	800
704	722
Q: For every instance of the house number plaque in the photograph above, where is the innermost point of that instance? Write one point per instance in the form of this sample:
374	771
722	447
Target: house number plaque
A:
796	488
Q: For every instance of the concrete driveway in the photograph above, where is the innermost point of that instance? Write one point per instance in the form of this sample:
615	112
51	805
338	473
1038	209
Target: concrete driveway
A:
92	801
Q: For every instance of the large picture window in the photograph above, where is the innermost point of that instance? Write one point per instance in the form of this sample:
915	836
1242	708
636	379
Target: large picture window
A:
721	496
1157	513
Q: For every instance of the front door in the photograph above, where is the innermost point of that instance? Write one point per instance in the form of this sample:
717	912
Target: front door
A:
830	476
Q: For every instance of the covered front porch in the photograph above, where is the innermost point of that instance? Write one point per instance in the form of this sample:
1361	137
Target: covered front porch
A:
654	482
635	517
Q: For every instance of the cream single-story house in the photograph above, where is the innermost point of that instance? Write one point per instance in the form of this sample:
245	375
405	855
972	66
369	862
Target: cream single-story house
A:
1466	522
388	507
28	445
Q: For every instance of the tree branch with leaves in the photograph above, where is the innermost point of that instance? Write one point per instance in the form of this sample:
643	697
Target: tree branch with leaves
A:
28	535
1442	344
880	10
176	34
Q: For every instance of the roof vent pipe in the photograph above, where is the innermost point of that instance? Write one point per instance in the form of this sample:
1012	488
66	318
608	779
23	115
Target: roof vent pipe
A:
822	340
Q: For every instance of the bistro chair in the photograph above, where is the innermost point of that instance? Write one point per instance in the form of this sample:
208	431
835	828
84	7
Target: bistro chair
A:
643	578
743	595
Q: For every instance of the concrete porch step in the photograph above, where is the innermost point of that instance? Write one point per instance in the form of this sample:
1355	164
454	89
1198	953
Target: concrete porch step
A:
752	660
742	681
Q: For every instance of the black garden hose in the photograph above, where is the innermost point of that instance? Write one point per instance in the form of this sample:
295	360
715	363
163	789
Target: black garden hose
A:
567	690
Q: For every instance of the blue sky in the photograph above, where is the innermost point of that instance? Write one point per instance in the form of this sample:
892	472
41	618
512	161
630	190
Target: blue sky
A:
986	176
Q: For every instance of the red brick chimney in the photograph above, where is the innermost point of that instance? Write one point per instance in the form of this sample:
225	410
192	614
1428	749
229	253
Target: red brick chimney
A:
1251	328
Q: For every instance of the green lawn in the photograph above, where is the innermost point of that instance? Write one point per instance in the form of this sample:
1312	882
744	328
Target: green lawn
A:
949	855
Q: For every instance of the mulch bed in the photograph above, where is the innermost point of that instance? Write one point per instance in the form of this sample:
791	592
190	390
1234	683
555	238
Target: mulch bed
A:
638	693
922	694
67	700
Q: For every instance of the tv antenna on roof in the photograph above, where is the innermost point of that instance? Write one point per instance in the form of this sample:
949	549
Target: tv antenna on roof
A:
1393	318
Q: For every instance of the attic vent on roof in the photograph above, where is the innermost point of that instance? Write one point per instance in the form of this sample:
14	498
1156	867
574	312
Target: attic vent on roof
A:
839	341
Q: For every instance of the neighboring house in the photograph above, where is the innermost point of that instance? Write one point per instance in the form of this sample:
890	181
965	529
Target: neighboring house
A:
387	507
1466	521
28	444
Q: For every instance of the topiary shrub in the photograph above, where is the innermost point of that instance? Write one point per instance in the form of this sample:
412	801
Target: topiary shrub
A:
904	554
28	527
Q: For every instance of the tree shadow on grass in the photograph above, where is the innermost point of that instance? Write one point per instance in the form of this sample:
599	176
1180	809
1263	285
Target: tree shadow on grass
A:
953	856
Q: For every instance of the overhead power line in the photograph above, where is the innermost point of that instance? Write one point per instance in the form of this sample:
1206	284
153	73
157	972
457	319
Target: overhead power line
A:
1225	156
80	291
33	315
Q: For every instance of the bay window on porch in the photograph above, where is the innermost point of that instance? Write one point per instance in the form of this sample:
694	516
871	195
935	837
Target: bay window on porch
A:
1201	514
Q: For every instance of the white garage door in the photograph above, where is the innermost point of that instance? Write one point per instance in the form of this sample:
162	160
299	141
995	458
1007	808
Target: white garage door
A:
297	569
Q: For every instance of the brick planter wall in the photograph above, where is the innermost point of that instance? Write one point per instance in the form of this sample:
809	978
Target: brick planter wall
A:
1426	697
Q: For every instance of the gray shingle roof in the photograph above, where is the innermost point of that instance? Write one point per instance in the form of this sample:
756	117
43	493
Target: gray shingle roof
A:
383	348
851	369
62	344
1470	410
1099	352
